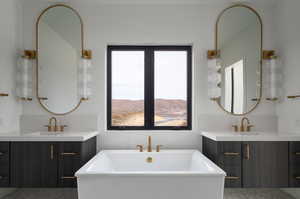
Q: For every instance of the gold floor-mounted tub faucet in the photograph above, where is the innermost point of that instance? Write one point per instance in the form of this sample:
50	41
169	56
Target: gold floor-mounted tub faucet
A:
149	146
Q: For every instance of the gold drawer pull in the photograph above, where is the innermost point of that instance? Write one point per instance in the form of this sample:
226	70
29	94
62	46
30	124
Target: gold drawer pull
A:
297	177
68	177
231	154
4	95
232	178
66	154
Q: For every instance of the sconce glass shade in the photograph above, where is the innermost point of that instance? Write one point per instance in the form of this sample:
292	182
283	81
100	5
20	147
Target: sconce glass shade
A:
214	79
84	79
273	79
24	83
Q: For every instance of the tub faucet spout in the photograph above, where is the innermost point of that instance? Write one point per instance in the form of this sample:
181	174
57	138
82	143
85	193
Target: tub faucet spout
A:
149	148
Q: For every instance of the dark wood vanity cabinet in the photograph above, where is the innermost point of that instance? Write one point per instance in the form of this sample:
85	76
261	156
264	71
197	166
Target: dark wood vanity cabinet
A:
294	158
4	164
250	164
48	164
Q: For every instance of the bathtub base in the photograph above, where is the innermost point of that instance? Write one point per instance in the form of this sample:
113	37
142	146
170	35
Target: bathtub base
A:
150	187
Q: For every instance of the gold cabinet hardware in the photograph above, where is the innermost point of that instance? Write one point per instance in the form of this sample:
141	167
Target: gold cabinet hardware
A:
293	96
158	148
68	177
4	95
51	152
68	154
231	154
232	178
247	157
140	147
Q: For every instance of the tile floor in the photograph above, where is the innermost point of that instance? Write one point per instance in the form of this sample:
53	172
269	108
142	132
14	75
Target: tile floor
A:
72	194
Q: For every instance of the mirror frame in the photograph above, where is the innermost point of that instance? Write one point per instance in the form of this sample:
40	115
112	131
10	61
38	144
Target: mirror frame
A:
40	99
261	52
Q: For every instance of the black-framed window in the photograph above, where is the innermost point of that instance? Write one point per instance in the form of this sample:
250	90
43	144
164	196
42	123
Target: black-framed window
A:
149	87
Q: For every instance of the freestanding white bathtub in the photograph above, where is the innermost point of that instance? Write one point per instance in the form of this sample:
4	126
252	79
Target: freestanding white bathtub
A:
172	174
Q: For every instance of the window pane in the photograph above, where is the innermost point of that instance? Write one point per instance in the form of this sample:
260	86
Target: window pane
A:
170	88
127	88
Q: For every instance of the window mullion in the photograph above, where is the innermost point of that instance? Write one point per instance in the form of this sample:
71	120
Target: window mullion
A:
149	88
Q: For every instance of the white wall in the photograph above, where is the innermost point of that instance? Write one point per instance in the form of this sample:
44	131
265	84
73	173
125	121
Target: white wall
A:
151	24
10	108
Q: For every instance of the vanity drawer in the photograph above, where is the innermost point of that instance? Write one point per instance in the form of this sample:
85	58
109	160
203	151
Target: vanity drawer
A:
233	176
4	164
230	154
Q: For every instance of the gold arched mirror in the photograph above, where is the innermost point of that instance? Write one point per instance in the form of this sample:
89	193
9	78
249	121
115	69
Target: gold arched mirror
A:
59	32
239	50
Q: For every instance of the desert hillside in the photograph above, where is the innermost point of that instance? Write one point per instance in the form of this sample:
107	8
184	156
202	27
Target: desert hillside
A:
131	112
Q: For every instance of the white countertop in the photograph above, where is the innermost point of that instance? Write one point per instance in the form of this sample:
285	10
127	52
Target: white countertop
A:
48	136
251	136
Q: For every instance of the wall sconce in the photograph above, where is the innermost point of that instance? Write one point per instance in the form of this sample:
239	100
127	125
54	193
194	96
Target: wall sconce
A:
273	75
214	75
24	75
84	75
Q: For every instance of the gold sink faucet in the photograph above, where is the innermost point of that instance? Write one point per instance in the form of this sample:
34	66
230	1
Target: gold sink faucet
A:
55	127
52	128
244	127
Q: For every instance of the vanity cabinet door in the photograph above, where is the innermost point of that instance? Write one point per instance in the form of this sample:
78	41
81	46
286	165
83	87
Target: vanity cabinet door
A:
69	163
4	164
294	160
34	164
265	164
72	156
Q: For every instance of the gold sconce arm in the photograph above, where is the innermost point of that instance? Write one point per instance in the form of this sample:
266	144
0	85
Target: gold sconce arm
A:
293	96
4	95
269	54
30	54
86	54
213	54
